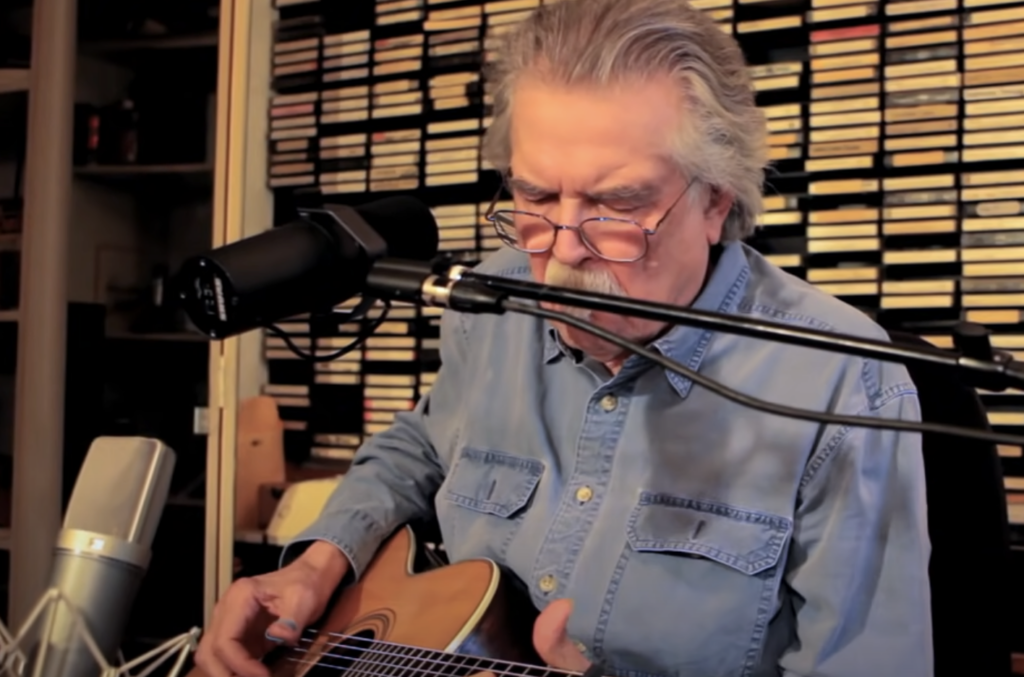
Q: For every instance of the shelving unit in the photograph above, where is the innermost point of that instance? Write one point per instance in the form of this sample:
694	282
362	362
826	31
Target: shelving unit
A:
127	220
150	213
13	80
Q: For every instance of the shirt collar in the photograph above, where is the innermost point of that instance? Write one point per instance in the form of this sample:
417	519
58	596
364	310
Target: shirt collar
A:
687	345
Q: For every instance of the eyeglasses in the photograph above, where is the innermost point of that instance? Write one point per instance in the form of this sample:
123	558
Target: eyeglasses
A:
611	238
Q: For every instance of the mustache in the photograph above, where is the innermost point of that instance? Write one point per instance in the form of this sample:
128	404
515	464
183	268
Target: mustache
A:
597	281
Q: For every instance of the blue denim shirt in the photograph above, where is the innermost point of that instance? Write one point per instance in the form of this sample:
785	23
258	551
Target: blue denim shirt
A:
696	537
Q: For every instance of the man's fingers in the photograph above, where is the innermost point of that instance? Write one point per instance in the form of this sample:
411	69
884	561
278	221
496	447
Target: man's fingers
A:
552	641
284	631
208	664
293	609
205	659
241	609
236	658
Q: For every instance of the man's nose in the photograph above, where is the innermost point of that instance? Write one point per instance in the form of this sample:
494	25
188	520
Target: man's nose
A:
569	248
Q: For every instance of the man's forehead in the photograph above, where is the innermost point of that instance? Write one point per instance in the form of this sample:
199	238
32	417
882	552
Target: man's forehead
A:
638	189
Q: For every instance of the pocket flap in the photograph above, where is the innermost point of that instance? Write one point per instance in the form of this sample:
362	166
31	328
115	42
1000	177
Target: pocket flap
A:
745	540
492	481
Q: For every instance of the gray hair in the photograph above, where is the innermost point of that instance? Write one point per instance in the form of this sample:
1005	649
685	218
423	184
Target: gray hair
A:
723	141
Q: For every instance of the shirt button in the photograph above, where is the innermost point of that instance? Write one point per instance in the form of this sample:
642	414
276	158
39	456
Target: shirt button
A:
609	402
584	494
547	583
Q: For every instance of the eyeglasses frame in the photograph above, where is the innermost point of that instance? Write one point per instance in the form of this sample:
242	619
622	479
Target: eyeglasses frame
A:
491	216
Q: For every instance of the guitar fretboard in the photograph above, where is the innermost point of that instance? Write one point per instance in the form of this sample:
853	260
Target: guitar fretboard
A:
363	657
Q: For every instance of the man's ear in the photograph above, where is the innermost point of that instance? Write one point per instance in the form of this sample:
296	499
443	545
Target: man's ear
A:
717	206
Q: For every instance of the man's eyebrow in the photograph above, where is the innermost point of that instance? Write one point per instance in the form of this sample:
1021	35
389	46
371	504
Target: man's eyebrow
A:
636	193
526	187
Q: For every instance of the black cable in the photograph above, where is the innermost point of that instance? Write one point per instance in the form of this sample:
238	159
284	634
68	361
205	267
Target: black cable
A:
753	402
365	331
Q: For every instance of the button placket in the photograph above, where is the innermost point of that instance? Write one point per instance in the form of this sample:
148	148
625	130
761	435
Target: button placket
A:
596	444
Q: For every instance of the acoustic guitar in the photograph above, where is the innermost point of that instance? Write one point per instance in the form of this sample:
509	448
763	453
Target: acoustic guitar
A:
453	620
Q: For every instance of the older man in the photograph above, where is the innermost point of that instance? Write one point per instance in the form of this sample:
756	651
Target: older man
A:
662	529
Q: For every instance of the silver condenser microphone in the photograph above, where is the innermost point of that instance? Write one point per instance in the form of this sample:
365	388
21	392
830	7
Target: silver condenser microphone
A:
102	554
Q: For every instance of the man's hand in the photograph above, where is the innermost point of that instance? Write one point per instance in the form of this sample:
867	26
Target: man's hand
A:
552	642
258	613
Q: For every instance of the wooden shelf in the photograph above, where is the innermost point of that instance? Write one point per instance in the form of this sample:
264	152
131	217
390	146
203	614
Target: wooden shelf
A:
14	80
194	177
137	170
182	336
155	42
8	315
158	49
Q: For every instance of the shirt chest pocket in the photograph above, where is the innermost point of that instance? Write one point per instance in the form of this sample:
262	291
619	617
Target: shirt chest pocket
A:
704	577
481	502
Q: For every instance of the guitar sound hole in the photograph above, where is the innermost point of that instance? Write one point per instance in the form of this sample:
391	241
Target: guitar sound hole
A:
353	652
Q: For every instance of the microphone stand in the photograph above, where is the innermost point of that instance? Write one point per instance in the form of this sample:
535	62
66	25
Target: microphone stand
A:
976	363
459	287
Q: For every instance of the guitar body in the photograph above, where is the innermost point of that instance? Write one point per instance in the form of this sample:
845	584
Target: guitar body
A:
468	608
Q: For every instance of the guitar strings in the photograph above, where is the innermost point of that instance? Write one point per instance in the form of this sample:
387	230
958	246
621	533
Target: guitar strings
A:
413	663
435	658
399	659
359	666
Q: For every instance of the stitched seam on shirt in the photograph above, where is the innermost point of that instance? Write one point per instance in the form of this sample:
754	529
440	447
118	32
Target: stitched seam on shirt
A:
461	323
870	380
891	393
516	270
359	558
784	315
681	383
608	604
769	590
734	290
462	328
885	397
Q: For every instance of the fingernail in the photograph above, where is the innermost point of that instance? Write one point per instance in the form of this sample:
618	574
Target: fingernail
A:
286	622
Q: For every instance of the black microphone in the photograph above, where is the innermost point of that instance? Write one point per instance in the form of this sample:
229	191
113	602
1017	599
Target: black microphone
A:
309	265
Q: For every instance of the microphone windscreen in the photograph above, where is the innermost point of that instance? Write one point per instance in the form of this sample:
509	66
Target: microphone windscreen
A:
406	224
122	488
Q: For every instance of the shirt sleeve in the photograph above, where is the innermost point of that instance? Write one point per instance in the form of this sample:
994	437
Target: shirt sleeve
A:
858	568
396	473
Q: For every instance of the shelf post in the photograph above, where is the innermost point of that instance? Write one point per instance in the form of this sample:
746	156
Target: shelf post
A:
42	313
242	206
